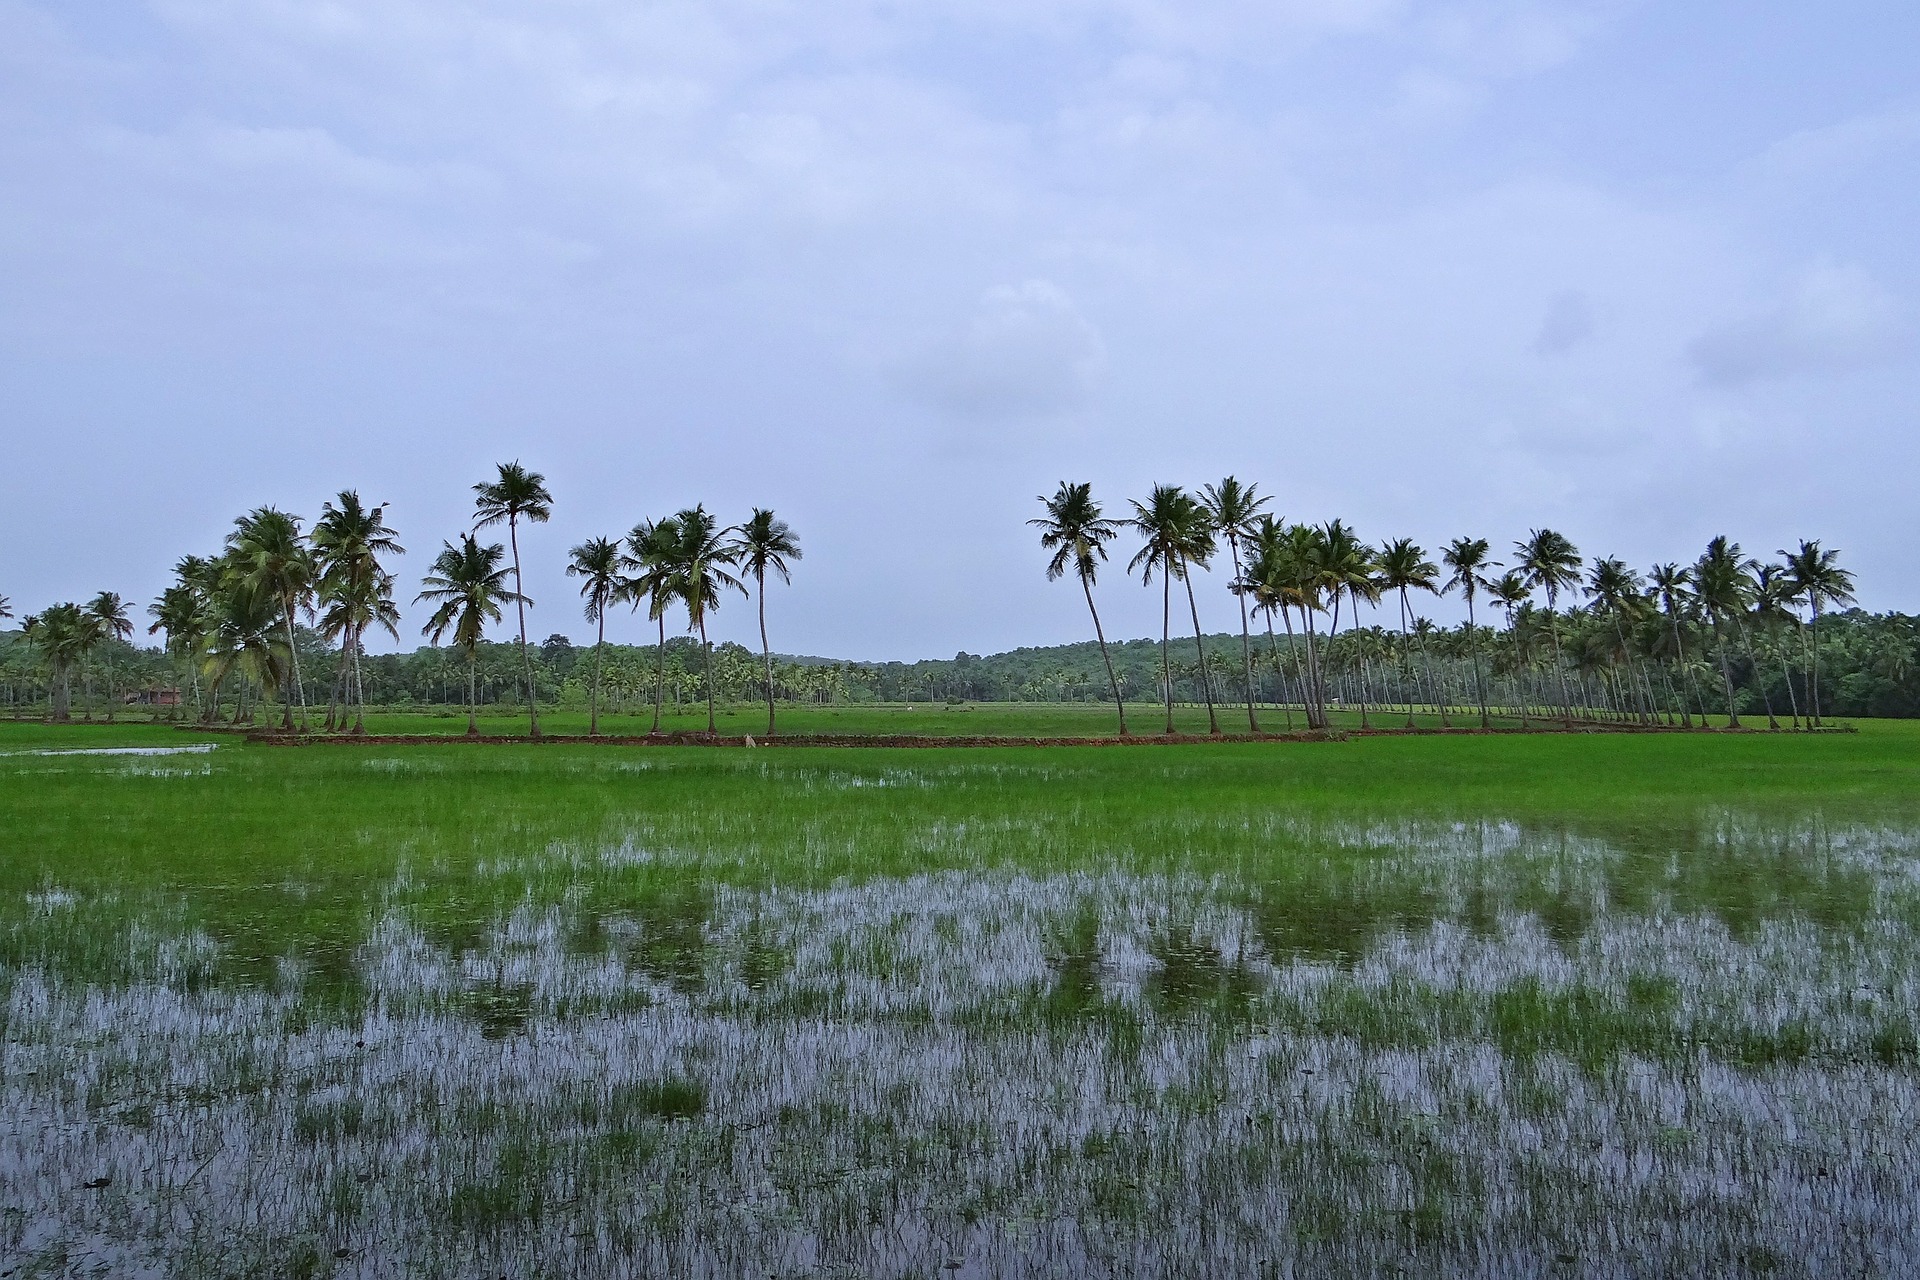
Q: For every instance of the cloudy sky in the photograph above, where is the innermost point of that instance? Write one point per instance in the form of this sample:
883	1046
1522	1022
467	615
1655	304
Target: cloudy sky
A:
1641	272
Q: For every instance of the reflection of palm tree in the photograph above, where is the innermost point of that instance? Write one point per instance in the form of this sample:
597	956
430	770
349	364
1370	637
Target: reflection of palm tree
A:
765	542
1550	563
1233	508
1467	562
1819	580
516	494
469	585
1074	530
597	563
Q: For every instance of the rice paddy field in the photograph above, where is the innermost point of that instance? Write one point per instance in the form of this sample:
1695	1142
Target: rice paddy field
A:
1547	1005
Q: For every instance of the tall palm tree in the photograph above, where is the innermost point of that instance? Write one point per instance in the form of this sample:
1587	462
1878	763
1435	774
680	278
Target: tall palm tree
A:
468	584
1234	511
1618	593
1272	578
1404	567
1510	592
109	612
1551	564
765	542
1158	522
516	494
1819	580
1774	595
596	562
1077	534
700	560
650	552
1673	590
180	614
352	586
266	546
63	633
1723	582
1345	565
1467	562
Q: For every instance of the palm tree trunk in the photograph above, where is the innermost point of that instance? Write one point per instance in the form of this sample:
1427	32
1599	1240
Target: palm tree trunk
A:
1166	626
473	701
1317	701
1246	643
1726	675
1813	693
293	656
1113	681
1479	679
359	689
599	645
1206	681
520	605
1559	665
707	650
659	674
1279	670
766	653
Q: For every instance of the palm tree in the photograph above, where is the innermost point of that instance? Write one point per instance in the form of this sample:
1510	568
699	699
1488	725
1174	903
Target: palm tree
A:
699	561
765	542
1673	590
63	633
1403	567
1344	564
469	585
1819	580
1077	534
351	584
597	563
267	548
1723	582
1271	577
650	548
1510	591
1550	563
1616	591
109	612
179	613
1234	509
1166	521
1466	559
516	494
241	636
1774	594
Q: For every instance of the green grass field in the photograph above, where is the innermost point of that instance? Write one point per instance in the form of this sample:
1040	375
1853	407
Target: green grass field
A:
1476	1003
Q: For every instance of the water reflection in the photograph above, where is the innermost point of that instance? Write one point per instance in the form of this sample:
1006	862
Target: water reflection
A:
1454	1047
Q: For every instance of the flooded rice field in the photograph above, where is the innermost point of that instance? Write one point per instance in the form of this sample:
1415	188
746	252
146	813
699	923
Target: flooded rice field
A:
1480	1048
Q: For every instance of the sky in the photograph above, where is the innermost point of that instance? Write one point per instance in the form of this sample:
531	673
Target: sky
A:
1643	273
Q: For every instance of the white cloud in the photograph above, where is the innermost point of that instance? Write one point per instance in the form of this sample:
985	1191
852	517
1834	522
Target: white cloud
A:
1836	318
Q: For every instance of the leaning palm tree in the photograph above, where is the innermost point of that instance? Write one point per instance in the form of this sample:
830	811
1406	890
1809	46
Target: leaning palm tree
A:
1234	511
109	612
1723	583
765	542
516	494
468	584
1818	579
1550	563
1467	562
1404	567
699	561
1166	521
1074	530
267	548
596	562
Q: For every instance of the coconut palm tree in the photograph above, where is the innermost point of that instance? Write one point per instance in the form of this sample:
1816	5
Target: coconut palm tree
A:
1467	563
1272	578
242	635
1618	593
1774	595
1819	580
1077	534
1404	567
699	560
765	542
1158	522
1234	509
352	587
1343	564
1510	592
1723	583
179	613
1551	564
1672	586
64	634
596	562
109	611
516	494
468	585
650	549
267	548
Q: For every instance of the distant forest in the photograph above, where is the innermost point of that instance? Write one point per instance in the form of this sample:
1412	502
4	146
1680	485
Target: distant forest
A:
1869	666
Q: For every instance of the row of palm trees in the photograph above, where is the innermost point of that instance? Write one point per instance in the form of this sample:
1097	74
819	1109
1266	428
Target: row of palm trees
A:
238	611
1288	570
